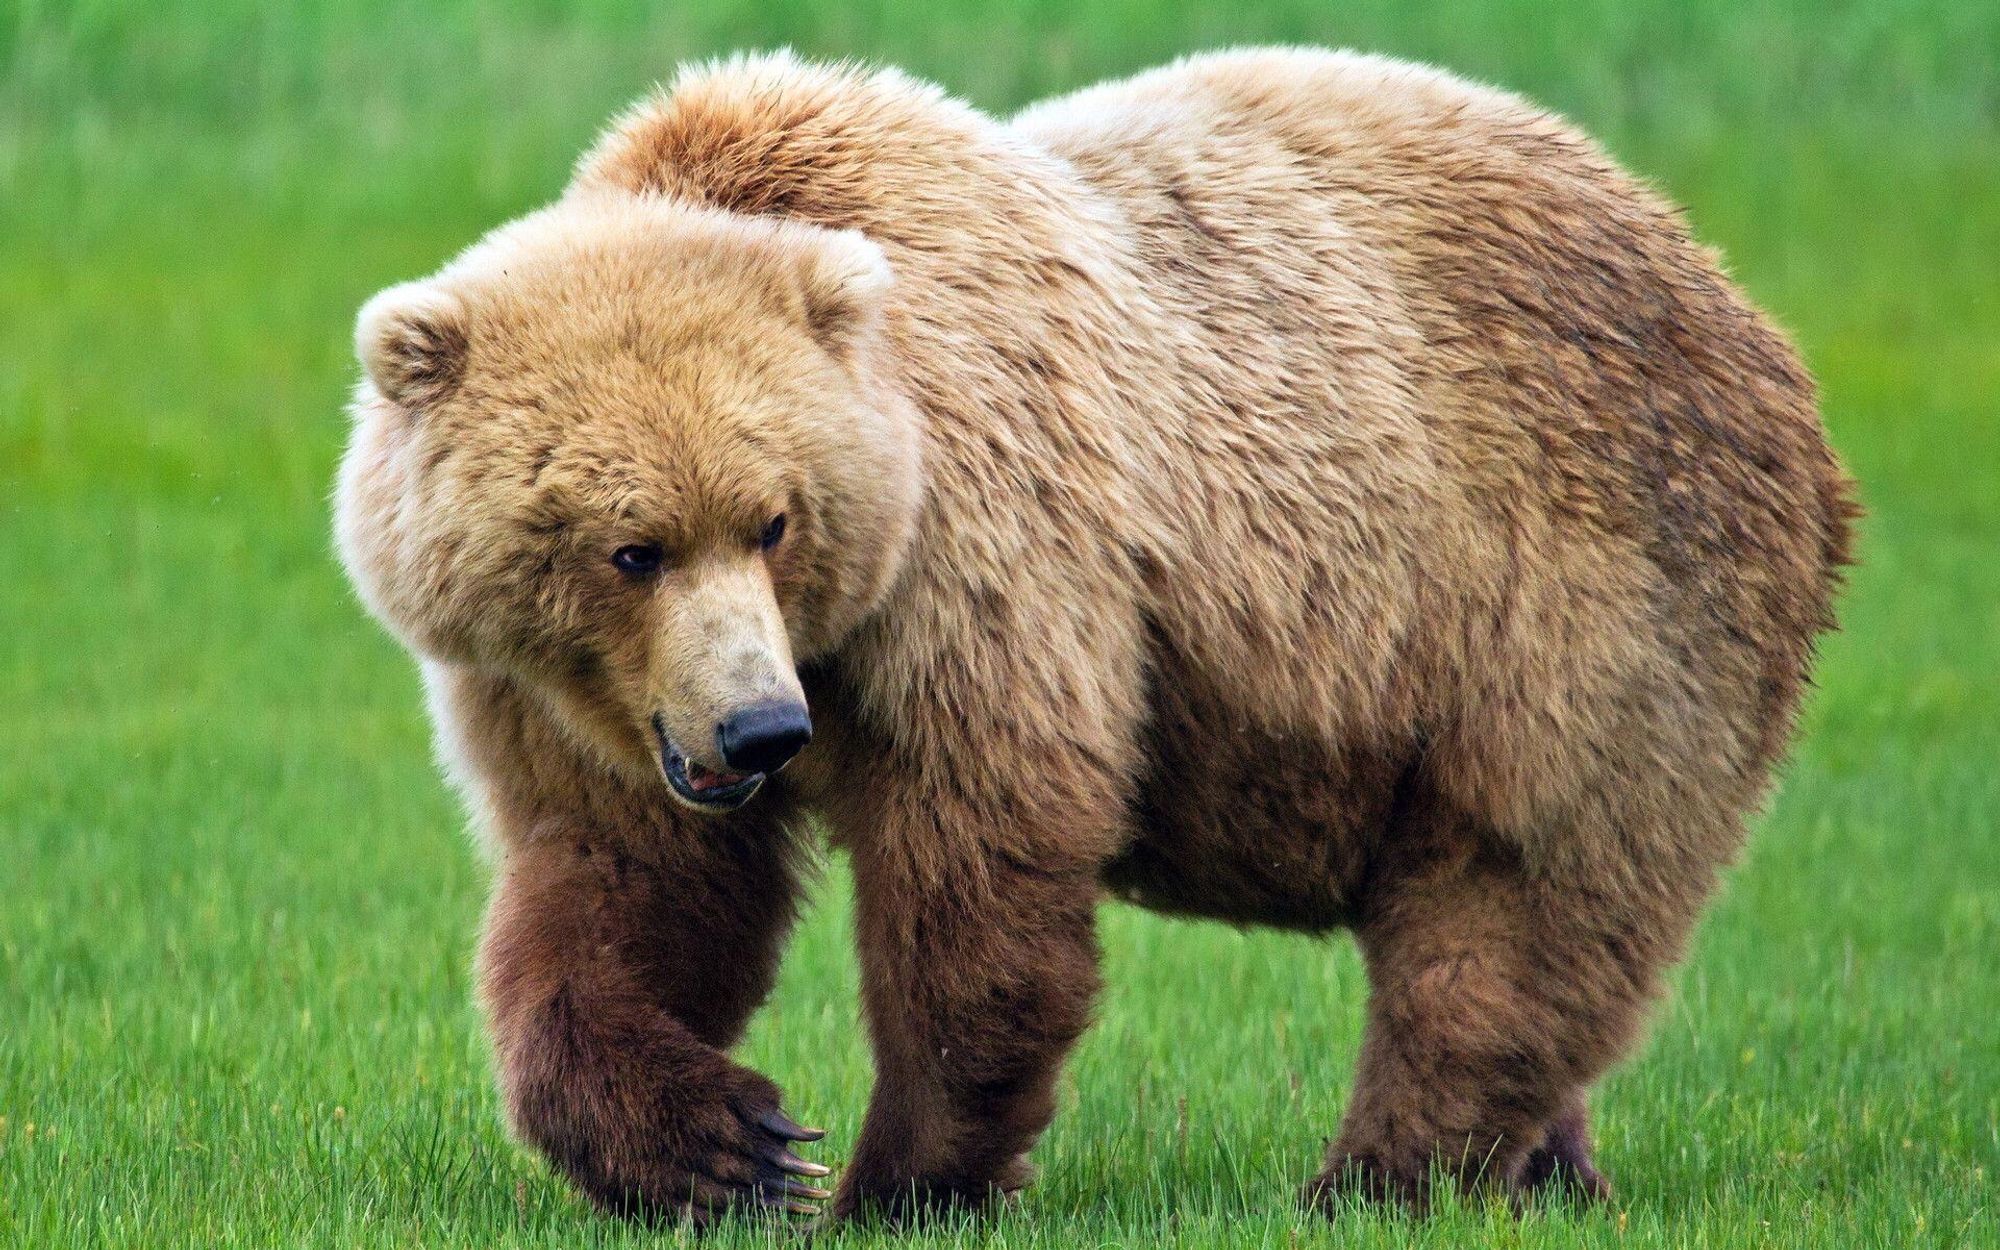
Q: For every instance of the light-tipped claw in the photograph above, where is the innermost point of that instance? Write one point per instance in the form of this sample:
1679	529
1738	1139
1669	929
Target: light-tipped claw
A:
794	1189
784	1160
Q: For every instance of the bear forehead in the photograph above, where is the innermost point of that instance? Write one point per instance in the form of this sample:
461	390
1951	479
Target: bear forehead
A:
613	440
601	450
695	328
589	273
581	497
676	333
633	360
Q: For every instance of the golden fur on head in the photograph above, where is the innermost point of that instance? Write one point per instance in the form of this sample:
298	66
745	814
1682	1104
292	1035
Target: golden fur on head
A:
1290	487
553	395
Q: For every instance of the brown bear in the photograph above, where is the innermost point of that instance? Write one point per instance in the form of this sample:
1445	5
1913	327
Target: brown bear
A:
1290	487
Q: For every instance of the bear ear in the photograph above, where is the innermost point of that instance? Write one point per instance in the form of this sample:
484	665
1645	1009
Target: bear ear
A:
845	281
413	340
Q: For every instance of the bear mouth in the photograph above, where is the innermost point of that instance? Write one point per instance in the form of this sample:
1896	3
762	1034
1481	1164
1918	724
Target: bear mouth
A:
699	786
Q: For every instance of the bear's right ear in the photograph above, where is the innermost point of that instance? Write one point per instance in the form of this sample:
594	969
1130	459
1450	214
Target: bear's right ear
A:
845	280
413	340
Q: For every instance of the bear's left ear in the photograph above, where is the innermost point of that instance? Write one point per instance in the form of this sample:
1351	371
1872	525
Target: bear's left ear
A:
413	341
845	280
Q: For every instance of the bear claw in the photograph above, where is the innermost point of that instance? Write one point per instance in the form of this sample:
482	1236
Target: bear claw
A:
778	1183
779	1124
783	1159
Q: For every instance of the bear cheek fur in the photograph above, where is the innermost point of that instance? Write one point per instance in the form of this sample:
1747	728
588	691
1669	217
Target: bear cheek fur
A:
381	537
865	472
398	536
436	549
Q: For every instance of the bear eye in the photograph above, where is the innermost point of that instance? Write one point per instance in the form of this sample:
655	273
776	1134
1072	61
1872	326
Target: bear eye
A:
772	532
638	560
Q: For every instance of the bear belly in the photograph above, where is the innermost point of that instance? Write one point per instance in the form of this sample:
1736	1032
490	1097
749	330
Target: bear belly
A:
1238	824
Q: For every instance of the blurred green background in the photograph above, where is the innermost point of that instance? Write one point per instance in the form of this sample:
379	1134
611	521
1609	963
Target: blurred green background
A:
237	911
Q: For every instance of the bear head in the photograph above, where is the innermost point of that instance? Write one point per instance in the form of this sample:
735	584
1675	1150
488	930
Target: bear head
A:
639	457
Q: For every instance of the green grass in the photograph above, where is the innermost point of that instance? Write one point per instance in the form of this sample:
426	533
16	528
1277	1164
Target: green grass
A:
237	909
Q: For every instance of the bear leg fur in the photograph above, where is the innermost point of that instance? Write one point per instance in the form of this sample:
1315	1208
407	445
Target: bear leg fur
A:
1496	999
614	987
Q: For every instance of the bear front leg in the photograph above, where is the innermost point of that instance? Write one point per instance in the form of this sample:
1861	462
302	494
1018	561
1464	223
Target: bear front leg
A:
979	968
985	777
614	977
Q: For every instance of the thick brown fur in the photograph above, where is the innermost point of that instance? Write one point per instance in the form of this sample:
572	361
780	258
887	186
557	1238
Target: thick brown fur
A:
1289	487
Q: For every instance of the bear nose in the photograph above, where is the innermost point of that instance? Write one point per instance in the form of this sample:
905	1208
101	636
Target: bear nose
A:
763	737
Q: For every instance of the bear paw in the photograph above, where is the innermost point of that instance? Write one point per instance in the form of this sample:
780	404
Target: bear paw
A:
911	1202
732	1151
1367	1178
1562	1166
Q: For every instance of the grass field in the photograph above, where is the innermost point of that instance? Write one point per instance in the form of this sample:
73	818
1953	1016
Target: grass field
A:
237	909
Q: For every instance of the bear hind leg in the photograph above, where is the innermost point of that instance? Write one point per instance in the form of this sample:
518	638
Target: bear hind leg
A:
1496	999
1564	1164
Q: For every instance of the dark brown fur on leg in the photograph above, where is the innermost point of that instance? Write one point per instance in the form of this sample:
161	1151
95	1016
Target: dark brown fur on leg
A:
614	985
978	978
1492	1004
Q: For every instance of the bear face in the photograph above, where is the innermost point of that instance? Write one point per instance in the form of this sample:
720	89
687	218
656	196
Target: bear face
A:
636	456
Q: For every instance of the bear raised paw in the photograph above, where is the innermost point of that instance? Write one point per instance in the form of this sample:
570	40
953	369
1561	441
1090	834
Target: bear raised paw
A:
1289	487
